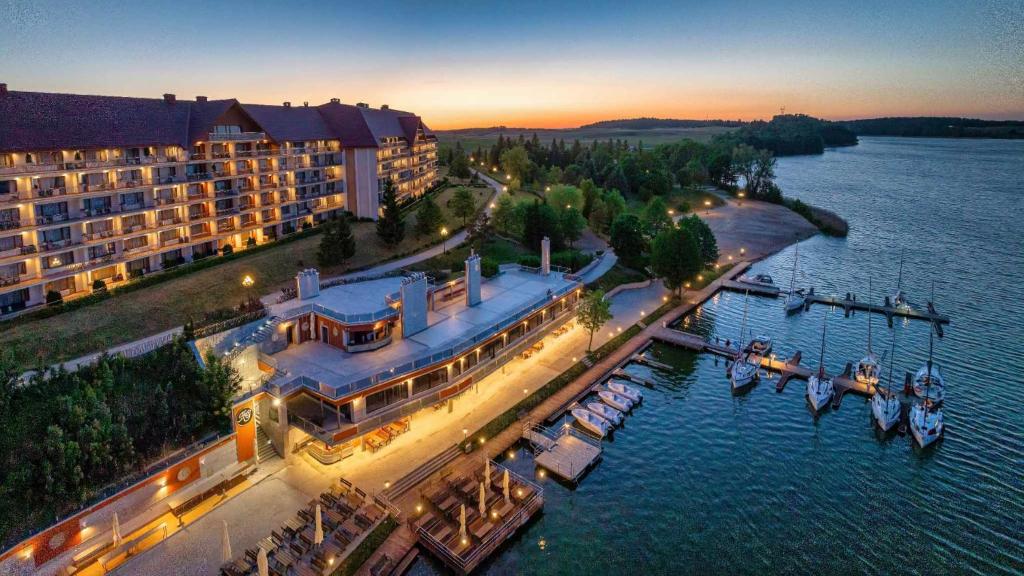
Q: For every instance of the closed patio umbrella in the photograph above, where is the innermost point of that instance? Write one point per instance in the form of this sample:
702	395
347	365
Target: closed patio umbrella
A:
487	471
116	529
462	521
483	501
505	485
262	566
318	535
225	544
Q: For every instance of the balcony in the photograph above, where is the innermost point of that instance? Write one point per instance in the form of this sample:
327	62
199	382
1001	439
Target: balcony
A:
6	281
137	249
231	137
52	219
226	193
136	207
167	201
220	155
102	258
198	216
100	235
226	211
197	176
58	245
6	225
51	192
245	153
221	228
173	241
97	187
171	221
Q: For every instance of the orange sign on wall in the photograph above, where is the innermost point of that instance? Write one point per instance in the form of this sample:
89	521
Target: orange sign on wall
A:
244	419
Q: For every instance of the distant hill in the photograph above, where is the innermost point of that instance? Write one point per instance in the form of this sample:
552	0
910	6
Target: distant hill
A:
937	127
652	123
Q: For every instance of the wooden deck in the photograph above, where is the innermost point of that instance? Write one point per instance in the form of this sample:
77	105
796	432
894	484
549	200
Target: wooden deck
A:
567	454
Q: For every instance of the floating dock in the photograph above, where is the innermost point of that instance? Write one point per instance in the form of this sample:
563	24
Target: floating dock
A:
567	453
755	289
788	368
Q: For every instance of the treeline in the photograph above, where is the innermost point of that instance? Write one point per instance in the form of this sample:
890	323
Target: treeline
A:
67	435
792	134
937	127
654	123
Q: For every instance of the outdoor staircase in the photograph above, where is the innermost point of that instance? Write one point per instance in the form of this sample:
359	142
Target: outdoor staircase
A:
265	447
405	483
256	337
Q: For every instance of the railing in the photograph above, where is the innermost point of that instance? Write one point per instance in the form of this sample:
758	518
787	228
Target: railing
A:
230	137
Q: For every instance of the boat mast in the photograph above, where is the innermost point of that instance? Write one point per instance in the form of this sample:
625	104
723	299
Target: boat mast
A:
899	279
892	353
743	324
821	359
869	316
792	280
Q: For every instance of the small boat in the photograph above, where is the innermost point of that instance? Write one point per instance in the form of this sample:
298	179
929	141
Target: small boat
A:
928	382
925	423
758	280
795	298
820	387
591	422
623	389
605	411
885	406
620	403
742	372
761	344
867	371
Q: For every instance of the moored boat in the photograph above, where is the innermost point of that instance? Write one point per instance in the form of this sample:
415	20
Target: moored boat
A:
623	389
605	411
926	423
867	371
620	403
591	422
820	388
758	280
885	406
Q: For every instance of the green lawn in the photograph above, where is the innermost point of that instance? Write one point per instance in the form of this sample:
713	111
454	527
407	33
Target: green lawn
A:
133	315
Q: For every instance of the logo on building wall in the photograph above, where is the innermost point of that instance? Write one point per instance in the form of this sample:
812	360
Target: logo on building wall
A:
244	416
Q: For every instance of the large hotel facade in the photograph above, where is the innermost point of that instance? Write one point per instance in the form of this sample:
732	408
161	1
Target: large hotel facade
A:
99	188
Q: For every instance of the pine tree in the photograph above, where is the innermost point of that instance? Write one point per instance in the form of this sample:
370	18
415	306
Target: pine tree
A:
390	225
429	218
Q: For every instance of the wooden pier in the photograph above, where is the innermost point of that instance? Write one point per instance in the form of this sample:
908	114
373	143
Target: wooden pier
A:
787	368
567	453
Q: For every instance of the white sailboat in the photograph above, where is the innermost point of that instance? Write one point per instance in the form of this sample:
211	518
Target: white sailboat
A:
885	406
928	382
794	299
899	299
742	373
926	423
867	371
820	387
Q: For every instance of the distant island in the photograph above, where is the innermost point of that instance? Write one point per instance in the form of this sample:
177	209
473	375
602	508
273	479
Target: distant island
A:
937	127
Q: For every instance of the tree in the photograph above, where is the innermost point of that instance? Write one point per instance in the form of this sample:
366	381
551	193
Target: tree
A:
429	218
744	159
564	197
705	238
592	313
656	216
390	225
219	383
675	257
516	162
458	166
571	224
590	195
508	216
463	204
627	239
336	244
540	220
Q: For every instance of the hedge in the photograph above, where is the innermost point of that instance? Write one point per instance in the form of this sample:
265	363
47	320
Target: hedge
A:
366	548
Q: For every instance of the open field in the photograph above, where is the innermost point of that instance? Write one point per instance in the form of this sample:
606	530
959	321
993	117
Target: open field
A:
471	138
133	315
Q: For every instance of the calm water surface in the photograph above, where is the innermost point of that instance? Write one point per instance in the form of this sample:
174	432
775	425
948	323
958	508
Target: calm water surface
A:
699	481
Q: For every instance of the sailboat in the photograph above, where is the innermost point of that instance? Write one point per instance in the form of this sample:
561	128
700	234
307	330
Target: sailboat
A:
899	299
867	369
741	372
820	387
885	406
928	382
795	299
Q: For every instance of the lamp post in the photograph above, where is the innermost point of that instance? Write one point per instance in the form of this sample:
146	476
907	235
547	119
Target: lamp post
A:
707	207
248	283
740	195
444	239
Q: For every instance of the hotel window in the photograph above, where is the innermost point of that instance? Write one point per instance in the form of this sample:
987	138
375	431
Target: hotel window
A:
8	186
138	267
29	158
101	251
386	397
11	243
52	212
56	236
425	382
132	223
58	260
135	243
470	360
491	349
225	129
6	160
64	285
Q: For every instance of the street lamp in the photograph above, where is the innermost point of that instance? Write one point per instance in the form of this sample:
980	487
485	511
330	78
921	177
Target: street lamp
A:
740	195
707	206
248	283
444	238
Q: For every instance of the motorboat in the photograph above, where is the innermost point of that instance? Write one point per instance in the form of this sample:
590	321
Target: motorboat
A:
592	422
623	389
885	406
928	383
926	423
605	411
795	298
867	370
820	388
620	403
758	280
761	344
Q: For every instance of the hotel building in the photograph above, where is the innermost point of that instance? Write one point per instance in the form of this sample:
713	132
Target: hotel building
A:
338	363
100	188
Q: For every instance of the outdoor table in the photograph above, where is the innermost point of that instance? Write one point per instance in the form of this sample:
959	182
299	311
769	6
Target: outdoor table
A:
482	528
505	508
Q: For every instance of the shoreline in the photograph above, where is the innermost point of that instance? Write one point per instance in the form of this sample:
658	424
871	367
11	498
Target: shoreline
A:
758	229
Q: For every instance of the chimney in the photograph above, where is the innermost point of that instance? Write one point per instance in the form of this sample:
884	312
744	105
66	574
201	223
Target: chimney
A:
414	304
200	98
3	89
384	107
169	98
473	279
545	256
287	104
363	105
307	284
335	100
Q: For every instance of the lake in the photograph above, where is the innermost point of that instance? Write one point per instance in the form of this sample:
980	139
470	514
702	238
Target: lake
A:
700	481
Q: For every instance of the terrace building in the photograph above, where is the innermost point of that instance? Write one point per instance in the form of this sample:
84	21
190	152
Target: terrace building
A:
101	188
333	367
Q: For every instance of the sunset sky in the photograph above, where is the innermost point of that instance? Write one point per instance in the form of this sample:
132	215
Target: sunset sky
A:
536	64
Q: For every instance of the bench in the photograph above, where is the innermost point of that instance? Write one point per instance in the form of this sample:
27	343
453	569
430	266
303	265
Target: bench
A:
187	499
381	566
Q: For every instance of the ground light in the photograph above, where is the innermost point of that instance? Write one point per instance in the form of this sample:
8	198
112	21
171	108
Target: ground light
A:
707	206
444	239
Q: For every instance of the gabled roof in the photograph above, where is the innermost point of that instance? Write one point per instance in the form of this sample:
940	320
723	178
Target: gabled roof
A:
204	116
347	123
31	121
287	123
358	126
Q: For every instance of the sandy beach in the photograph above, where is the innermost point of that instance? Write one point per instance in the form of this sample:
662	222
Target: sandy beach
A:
760	228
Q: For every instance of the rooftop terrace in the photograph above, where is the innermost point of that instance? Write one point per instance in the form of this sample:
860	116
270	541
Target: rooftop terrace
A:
508	297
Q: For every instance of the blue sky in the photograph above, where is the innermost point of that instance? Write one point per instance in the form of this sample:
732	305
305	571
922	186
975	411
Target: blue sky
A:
536	63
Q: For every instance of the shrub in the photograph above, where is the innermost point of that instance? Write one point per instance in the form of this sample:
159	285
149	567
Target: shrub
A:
227	250
54	298
488	267
529	260
571	259
250	242
99	285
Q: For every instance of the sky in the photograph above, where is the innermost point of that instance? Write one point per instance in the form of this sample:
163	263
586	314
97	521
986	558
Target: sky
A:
536	64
